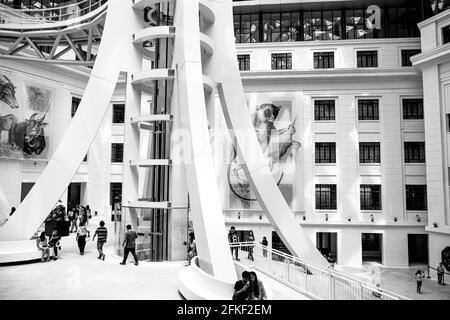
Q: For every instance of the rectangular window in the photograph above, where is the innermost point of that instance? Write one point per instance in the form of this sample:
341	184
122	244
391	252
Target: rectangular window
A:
370	196
118	113
448	122
75	103
412	109
367	59
415	152
416	197
369	152
323	60
244	62
117	152
446	34
324	110
325	196
115	189
406	56
368	109
281	61
325	152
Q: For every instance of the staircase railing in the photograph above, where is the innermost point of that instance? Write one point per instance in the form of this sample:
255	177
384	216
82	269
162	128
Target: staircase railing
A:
306	277
48	15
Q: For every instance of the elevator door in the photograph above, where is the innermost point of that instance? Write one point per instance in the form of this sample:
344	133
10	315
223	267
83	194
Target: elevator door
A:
418	249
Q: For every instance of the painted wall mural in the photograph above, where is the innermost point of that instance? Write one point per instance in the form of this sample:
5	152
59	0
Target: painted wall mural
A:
275	130
23	109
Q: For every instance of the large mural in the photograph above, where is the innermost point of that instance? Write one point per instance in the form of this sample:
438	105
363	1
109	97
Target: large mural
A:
275	130
23	110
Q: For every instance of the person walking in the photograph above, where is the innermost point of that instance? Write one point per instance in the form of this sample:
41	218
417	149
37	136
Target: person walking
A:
102	234
82	233
440	273
42	244
233	237
250	238
88	214
129	244
265	243
419	277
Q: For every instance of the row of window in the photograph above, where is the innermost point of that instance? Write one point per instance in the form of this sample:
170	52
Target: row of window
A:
307	25
369	152
118	110
368	109
325	60
370	197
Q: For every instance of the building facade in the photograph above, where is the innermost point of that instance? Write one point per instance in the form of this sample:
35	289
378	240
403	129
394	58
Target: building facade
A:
365	172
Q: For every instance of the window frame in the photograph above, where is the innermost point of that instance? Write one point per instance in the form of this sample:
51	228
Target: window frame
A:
367	194
417	114
373	156
277	58
114	105
114	150
320	109
245	63
364	115
325	152
331	203
417	154
324	56
359	58
416	205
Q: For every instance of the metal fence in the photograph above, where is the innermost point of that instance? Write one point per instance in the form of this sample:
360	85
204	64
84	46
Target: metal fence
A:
48	15
306	277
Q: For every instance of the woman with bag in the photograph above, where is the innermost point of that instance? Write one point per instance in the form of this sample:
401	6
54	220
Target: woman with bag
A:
82	233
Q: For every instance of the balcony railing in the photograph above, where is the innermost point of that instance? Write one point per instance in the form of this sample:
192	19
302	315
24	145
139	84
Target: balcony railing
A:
63	12
308	278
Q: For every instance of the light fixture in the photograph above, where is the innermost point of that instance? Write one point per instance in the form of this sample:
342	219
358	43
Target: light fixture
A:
349	219
239	215
418	218
326	217
435	224
304	218
260	217
372	218
395	219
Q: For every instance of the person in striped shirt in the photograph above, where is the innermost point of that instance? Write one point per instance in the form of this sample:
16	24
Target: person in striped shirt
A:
102	234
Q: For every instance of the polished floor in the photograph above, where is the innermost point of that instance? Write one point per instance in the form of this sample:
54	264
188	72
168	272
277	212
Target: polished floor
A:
85	277
401	281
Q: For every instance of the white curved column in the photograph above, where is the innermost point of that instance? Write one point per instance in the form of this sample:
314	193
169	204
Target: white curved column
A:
116	53
188	104
237	117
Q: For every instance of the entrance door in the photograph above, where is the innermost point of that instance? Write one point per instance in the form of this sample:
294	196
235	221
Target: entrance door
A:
418	249
372	247
73	195
326	242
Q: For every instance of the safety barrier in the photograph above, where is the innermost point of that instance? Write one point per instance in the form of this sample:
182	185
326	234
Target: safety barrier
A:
48	15
308	278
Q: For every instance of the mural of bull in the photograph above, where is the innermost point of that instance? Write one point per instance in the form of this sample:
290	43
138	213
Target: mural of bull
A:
8	92
29	135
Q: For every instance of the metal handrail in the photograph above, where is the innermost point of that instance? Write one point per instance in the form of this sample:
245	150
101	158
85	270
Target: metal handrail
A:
51	15
333	275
